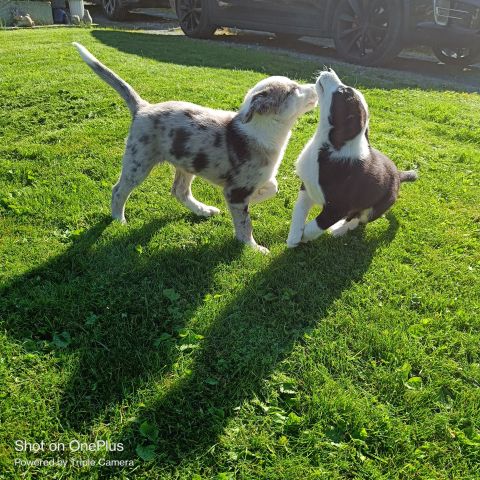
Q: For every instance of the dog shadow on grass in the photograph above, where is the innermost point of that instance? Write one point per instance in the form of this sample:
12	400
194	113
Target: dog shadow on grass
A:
245	342
105	303
123	311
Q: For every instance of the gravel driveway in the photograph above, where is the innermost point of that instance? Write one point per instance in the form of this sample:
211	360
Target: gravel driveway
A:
419	66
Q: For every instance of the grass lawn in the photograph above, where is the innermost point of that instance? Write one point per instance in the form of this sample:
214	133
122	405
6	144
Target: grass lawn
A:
346	358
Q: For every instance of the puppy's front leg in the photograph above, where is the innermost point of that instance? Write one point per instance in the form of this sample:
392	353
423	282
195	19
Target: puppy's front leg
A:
241	216
300	213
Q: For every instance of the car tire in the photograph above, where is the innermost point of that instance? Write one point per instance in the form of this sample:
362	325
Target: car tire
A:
368	32
193	16
114	9
460	57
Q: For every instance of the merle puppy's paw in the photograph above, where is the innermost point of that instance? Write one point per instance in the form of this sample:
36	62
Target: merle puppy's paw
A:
207	211
263	250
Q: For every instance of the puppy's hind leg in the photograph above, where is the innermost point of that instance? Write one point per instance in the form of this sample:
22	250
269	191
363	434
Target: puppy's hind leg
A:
379	209
329	217
344	226
363	217
182	191
136	167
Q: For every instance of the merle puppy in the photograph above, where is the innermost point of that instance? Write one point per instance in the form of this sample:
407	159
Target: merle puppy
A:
240	152
354	182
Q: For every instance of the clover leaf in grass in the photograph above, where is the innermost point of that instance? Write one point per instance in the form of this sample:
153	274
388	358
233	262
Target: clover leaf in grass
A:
217	412
149	430
146	452
211	381
162	339
288	388
293	420
77	233
171	294
269	297
10	203
414	383
404	371
62	340
288	294
183	332
224	476
91	320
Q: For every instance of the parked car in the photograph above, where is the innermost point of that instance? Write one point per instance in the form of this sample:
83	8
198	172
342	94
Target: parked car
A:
118	9
368	32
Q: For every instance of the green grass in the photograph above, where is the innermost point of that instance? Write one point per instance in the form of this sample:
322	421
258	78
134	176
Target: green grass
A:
346	358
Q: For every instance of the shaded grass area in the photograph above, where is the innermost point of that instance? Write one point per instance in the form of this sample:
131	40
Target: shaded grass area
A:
347	358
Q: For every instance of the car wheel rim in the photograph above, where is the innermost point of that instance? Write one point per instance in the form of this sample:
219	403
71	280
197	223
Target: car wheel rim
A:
363	26
190	13
109	6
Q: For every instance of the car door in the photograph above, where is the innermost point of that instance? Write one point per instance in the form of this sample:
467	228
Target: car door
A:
285	16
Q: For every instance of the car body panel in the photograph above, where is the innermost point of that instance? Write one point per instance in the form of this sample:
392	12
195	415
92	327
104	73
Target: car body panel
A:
314	18
301	17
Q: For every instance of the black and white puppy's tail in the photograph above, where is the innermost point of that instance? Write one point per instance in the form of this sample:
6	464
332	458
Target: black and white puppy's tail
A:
408	176
131	97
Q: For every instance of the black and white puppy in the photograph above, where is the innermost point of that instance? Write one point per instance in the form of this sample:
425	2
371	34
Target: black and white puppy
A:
353	182
241	152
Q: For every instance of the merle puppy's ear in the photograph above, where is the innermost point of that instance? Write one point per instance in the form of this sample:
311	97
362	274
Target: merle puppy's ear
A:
347	117
262	102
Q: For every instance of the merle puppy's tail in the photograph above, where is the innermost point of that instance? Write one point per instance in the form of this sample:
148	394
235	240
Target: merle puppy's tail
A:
131	97
408	176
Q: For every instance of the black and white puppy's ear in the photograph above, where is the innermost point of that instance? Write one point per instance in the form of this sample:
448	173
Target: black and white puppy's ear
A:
262	102
348	117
